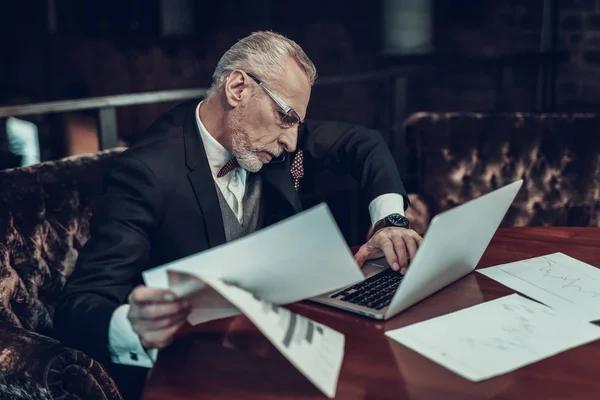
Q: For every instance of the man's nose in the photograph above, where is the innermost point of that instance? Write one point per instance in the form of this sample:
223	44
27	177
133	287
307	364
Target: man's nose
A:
289	139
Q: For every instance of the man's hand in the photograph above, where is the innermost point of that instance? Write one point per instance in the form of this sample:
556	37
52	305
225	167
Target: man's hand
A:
156	315
398	245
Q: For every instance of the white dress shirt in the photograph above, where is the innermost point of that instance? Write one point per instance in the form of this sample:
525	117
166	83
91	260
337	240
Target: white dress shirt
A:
124	344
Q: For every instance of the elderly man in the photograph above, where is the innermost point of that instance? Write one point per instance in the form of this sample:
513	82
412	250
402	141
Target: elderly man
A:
209	172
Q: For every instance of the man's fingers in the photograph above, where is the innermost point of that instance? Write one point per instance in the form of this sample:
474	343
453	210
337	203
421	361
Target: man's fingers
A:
411	246
400	249
362	255
161	323
417	238
397	245
152	312
145	295
159	338
387	246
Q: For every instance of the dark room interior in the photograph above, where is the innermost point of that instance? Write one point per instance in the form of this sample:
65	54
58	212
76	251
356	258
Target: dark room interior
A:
461	98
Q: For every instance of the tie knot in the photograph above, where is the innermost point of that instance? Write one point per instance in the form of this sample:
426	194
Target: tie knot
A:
228	167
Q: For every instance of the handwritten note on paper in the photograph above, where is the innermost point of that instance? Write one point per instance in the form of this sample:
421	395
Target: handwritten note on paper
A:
495	337
556	280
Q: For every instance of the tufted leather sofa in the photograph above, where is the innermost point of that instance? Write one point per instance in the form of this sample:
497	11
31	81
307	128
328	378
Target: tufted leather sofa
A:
460	156
44	213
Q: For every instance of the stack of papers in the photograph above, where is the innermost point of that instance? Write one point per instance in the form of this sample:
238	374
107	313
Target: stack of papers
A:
299	258
503	335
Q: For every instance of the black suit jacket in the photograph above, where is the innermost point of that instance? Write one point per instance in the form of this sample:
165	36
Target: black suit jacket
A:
160	204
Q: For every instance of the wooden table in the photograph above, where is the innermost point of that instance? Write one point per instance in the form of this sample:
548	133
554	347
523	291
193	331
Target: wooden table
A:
230	359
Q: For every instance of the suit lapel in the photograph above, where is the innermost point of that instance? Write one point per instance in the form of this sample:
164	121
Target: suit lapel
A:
277	176
202	182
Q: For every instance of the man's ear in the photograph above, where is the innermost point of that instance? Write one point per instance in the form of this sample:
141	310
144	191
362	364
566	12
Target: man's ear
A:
236	87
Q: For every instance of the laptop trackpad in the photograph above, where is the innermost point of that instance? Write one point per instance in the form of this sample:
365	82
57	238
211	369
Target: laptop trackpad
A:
371	267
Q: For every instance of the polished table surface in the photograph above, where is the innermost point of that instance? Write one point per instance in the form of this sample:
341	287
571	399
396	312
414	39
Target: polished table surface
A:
230	359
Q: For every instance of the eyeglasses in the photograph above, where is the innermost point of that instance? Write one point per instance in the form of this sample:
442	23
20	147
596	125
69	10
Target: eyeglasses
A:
289	117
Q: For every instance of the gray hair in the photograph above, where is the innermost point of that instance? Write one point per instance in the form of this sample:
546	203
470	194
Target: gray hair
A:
264	54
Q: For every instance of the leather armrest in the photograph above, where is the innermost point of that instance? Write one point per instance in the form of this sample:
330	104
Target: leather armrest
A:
33	366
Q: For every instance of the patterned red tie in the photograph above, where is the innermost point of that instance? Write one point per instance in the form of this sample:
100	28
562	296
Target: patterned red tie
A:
228	167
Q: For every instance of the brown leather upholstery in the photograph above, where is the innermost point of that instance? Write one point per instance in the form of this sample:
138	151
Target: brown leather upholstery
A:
460	156
44	214
34	366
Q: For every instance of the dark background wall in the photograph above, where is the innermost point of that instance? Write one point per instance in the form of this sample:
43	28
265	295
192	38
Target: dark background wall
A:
110	47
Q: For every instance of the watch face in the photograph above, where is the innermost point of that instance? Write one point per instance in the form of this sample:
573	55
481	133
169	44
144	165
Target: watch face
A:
397	219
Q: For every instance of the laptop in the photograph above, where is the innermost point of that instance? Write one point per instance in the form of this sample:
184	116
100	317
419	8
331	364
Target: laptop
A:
452	247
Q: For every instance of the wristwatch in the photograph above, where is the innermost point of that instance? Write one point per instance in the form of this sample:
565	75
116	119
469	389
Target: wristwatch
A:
397	220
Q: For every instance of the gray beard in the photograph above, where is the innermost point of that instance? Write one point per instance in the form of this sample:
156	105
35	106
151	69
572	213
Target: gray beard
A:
242	152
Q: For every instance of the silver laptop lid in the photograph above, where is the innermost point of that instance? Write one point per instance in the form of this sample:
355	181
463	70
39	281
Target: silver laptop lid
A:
455	241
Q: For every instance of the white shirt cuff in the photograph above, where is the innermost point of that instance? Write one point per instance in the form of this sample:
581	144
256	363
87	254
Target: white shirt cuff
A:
124	344
384	205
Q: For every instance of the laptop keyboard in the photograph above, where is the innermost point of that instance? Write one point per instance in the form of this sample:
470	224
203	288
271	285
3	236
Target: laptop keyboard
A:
375	292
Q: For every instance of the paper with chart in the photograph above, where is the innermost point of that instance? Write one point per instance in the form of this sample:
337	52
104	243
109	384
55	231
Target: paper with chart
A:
557	280
298	258
314	349
496	337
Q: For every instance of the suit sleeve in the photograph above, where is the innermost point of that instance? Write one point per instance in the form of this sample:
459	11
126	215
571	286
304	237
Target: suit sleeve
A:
355	150
114	256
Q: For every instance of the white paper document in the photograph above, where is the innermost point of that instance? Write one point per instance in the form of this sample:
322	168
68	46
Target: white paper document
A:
295	259
557	280
495	337
301	257
207	304
314	349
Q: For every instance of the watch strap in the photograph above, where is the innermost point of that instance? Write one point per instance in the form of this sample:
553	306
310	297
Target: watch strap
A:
385	222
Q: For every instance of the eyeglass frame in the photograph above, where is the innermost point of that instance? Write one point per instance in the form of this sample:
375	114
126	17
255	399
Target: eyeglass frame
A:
280	103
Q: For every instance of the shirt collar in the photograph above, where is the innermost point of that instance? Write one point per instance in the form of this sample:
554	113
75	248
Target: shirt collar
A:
216	154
